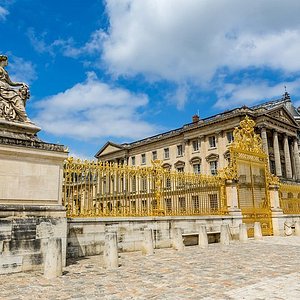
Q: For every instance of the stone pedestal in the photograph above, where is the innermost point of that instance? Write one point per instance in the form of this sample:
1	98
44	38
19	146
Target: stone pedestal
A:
31	208
177	241
243	236
147	247
297	228
203	240
110	254
225	236
53	258
257	231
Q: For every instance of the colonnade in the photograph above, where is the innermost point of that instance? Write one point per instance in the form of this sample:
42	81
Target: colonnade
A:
290	152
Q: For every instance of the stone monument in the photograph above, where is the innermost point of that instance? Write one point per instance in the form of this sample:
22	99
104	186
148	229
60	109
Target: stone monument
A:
31	176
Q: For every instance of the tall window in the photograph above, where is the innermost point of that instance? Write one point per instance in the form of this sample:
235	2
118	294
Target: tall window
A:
166	153
195	144
197	168
133	160
179	150
213	167
181	202
143	159
212	142
195	203
229	136
133	184
168	203
143	184
213	201
154	155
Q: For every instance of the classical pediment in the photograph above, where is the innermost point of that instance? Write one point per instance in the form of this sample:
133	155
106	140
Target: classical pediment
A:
282	114
109	147
167	166
195	160
179	163
212	157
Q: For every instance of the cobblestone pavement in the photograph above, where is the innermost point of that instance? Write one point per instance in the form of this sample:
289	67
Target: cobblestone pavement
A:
267	269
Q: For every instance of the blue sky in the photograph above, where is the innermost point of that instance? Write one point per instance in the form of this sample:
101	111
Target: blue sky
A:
122	70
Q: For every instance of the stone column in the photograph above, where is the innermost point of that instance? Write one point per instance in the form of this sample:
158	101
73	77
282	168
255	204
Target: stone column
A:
277	154
288	165
264	138
291	145
297	159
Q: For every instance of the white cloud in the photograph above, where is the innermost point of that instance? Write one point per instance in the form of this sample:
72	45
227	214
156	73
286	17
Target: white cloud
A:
21	70
66	47
252	92
3	13
93	109
181	40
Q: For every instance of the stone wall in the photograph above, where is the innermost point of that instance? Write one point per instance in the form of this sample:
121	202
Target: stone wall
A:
86	235
24	233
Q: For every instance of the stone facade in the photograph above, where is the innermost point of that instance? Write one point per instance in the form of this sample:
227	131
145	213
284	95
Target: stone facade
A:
202	146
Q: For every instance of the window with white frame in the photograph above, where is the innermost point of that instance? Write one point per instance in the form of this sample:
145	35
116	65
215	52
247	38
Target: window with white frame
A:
143	159
182	204
213	167
154	155
229	136
197	168
195	144
212	142
166	153
133	160
179	150
143	184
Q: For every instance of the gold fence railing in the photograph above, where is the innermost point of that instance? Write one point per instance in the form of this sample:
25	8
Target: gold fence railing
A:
290	198
94	189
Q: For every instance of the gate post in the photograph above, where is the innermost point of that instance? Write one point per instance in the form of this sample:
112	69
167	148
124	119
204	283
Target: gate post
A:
277	214
233	205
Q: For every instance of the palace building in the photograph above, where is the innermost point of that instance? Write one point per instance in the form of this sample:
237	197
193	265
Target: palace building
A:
202	146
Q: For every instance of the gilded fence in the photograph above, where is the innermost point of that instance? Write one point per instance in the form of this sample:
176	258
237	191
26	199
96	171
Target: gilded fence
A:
290	198
95	189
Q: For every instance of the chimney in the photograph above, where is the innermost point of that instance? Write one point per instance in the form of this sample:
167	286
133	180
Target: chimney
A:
196	118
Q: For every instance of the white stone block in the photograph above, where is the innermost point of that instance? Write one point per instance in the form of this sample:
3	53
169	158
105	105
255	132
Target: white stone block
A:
203	240
177	241
224	235
257	231
297	228
243	234
110	253
53	258
147	246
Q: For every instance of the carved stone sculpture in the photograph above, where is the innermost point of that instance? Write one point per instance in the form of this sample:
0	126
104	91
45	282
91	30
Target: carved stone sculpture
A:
13	96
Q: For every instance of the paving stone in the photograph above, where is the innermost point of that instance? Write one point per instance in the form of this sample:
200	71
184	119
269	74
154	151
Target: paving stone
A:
264	269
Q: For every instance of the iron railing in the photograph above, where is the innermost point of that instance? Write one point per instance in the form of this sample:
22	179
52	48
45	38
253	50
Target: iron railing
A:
94	189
